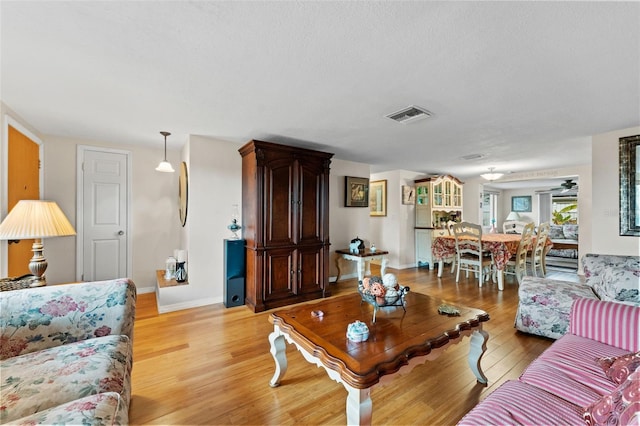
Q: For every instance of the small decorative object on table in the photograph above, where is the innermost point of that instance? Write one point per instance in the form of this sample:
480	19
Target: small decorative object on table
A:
449	310
357	331
356	245
382	292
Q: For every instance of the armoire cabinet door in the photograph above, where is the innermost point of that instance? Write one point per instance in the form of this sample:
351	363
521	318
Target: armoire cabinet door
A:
309	222
309	270
280	274
279	202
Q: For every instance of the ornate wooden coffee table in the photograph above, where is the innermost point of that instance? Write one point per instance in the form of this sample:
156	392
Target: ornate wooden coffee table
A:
398	341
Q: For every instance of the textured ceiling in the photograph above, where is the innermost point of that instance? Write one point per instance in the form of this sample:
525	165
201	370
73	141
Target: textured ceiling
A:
524	84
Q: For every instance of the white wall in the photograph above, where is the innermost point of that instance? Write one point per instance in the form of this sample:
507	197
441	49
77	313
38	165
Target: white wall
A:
215	184
606	196
345	223
154	208
395	232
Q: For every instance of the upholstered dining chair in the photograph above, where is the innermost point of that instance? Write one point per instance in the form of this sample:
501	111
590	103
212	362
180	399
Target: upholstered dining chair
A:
539	256
469	254
518	265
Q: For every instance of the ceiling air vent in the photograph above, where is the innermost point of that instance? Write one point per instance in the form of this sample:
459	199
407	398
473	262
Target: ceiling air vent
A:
409	114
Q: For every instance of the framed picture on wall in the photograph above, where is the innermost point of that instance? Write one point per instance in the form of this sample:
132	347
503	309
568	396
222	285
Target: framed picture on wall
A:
378	198
408	194
356	192
521	203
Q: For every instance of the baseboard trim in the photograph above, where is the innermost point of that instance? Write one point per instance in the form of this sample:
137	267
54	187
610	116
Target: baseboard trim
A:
188	305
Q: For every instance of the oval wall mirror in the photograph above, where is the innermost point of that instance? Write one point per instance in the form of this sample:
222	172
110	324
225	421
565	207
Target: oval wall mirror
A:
183	193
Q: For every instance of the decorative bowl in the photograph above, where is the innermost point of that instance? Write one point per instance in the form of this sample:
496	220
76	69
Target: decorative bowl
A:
357	331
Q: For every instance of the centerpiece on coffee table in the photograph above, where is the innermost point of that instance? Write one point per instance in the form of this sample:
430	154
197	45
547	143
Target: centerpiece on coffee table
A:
382	292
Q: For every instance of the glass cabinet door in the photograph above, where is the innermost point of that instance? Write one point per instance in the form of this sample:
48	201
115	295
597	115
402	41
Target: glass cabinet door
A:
447	193
457	195
422	195
437	195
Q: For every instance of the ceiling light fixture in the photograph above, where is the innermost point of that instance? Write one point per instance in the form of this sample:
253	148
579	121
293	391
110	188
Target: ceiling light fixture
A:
164	165
491	175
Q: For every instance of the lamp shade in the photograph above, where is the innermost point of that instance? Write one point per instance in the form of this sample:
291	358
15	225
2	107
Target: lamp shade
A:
165	166
35	219
513	216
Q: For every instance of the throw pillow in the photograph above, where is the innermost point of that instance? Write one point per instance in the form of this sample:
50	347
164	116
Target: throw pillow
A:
618	368
620	407
555	232
570	232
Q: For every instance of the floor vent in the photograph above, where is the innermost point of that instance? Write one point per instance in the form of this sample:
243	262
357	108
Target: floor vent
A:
409	114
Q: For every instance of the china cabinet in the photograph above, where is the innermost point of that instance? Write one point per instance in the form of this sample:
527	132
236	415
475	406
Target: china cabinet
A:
438	200
285	212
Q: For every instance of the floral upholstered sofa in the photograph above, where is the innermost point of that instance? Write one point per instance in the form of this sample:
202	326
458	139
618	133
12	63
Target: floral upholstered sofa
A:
66	353
545	304
589	376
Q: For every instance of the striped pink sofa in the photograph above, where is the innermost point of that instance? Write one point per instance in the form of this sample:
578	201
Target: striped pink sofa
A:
567	383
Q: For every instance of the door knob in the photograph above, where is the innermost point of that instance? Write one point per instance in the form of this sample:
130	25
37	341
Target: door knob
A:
120	232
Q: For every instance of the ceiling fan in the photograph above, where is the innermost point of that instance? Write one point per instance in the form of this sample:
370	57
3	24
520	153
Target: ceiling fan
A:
566	186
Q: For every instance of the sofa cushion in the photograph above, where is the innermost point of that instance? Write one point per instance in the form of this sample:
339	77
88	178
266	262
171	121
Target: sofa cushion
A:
545	305
617	369
621	285
620	407
75	311
40	380
612	277
570	370
102	409
517	403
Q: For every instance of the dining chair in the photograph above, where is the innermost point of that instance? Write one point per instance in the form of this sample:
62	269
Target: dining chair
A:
518	265
451	259
513	226
539	256
469	254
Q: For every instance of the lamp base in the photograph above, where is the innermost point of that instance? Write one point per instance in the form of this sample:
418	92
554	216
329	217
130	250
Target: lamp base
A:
37	265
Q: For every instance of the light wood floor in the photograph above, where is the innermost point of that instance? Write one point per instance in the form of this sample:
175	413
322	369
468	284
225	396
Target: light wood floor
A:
212	365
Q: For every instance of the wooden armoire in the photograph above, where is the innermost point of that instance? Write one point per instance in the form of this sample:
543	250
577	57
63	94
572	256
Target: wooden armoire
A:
285	220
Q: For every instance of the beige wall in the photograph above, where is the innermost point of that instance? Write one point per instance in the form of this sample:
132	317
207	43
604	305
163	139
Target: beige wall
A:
606	196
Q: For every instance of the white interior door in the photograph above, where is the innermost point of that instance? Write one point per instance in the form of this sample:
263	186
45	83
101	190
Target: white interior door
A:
105	177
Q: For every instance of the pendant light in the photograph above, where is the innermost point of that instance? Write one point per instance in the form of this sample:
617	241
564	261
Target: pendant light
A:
165	166
491	176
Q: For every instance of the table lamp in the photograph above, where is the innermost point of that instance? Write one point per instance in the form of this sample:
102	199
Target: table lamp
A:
35	219
513	216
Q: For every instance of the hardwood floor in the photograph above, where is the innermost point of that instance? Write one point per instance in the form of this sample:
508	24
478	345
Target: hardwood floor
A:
212	365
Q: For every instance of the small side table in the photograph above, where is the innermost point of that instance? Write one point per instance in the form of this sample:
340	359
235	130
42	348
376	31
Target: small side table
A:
162	282
361	258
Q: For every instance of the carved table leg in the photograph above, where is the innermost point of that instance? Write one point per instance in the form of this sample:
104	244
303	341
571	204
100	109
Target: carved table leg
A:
338	267
359	406
279	352
360	263
478	345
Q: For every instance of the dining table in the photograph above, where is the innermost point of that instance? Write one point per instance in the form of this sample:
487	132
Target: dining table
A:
501	246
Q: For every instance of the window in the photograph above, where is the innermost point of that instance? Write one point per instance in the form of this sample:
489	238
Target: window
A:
489	207
564	210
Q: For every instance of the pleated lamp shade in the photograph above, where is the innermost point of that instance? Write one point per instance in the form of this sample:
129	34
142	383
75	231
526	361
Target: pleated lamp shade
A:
35	219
